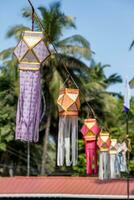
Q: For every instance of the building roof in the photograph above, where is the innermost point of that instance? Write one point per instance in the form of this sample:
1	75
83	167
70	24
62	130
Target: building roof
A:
61	186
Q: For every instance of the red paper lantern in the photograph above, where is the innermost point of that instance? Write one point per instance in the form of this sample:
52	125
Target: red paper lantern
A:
90	129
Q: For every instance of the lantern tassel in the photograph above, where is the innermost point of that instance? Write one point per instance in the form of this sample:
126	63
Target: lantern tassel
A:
67	140
104	165
114	172
91	157
29	106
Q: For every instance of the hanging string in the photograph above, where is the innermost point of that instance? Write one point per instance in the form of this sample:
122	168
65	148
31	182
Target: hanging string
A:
32	19
64	65
66	80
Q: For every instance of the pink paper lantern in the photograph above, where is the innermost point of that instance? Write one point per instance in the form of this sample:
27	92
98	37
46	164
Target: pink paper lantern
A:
90	130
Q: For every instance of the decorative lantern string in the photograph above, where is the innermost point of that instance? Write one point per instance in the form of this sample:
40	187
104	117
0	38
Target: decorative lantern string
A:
64	65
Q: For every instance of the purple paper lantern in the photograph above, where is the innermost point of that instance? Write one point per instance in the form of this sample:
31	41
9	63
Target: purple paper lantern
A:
31	52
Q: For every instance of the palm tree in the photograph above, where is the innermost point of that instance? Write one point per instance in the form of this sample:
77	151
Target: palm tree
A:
96	84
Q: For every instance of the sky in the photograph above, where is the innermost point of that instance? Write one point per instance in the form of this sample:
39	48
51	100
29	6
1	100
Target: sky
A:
107	24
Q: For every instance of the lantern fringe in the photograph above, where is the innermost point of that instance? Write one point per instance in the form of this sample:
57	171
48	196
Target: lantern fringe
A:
122	157
114	166
67	140
91	157
29	106
104	165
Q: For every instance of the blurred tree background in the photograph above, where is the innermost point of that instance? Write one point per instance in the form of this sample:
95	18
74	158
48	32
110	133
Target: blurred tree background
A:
74	52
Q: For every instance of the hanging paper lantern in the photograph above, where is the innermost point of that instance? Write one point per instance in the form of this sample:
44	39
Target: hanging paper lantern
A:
104	160
90	130
114	164
68	105
30	52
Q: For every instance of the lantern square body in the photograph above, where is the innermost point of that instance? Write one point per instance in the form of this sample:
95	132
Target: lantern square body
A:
31	51
104	158
68	102
90	130
68	106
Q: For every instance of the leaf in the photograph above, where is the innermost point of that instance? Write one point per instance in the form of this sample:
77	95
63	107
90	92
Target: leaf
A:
3	146
131	83
131	45
9	137
16	31
76	40
76	51
6	53
5	130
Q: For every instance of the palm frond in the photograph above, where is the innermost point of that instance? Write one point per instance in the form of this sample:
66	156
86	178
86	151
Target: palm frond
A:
66	21
69	21
131	83
71	62
131	45
112	79
16	31
77	51
5	54
27	12
55	21
76	40
115	94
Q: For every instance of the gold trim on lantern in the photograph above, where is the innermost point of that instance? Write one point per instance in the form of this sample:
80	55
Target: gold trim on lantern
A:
105	133
28	68
90	137
31	63
103	149
68	113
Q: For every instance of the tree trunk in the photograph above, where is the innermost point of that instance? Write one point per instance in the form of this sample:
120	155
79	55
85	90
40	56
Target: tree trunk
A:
45	145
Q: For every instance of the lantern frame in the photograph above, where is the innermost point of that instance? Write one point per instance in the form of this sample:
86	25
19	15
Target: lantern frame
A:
28	65
90	129
67	98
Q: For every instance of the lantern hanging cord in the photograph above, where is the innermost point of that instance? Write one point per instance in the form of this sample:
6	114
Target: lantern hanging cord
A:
34	14
33	20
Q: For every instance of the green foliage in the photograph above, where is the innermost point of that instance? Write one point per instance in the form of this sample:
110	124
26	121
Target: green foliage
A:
7	112
80	168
